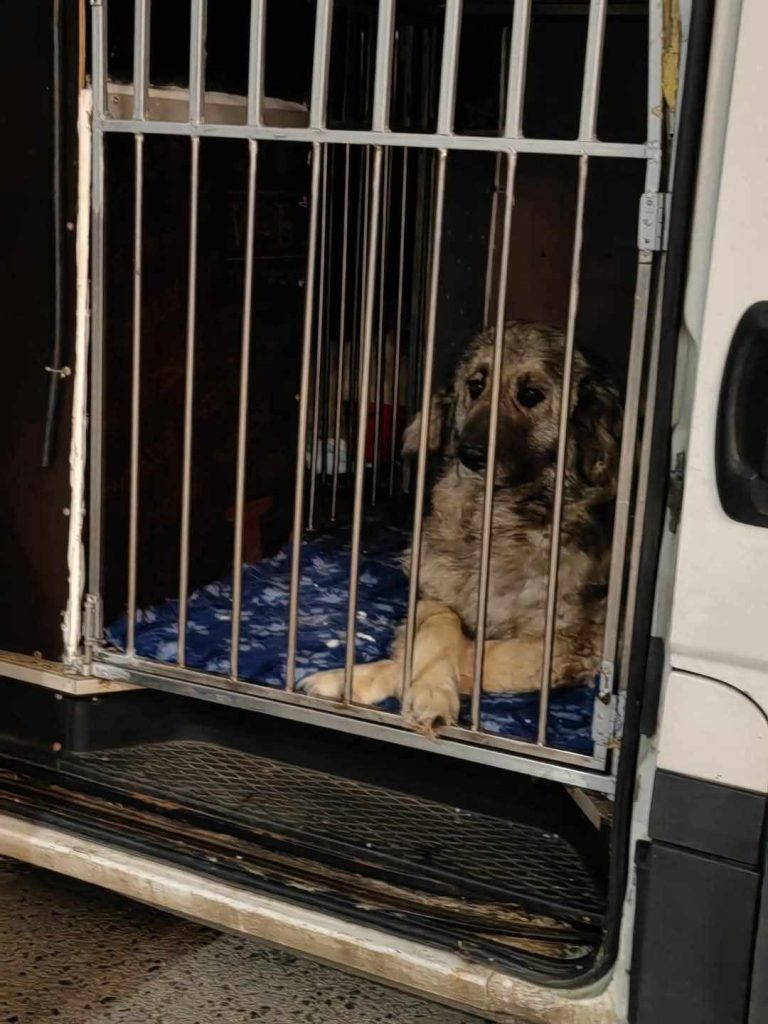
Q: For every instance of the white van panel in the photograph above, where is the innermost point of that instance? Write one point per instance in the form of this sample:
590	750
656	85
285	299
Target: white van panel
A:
719	624
711	731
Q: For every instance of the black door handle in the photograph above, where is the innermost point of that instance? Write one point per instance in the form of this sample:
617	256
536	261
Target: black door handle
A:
741	458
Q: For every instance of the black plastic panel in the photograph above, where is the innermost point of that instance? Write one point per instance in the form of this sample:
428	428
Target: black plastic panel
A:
693	948
707	817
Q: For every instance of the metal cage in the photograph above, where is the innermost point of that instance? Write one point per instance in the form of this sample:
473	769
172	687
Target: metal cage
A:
362	183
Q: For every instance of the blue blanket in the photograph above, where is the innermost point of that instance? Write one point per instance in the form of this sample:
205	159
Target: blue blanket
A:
382	600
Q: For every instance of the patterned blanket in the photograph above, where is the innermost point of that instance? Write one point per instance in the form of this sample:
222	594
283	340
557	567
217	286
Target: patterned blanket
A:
382	599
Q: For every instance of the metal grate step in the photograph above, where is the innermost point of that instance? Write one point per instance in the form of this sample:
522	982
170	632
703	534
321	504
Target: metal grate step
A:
538	869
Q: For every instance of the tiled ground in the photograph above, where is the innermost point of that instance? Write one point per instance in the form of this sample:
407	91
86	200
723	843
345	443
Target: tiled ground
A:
73	954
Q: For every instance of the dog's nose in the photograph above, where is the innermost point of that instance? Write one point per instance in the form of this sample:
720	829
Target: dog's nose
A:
472	456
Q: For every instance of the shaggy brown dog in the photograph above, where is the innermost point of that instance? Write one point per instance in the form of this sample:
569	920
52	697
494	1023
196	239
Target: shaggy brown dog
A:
527	439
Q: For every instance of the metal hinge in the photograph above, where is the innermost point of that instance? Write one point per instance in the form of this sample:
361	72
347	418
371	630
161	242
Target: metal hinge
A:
608	720
92	619
651	227
675	494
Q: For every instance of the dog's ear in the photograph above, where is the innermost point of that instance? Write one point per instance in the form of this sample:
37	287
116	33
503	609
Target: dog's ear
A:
440	425
596	430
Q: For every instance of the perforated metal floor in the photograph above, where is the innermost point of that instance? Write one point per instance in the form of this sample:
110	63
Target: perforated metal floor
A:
519	861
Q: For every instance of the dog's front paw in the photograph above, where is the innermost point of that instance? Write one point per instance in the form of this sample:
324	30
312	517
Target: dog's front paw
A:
430	705
329	685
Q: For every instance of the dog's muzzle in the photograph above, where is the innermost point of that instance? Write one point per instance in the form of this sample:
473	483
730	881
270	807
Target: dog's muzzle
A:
473	457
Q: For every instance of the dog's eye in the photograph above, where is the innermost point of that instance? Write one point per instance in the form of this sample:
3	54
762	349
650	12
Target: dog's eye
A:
476	386
529	396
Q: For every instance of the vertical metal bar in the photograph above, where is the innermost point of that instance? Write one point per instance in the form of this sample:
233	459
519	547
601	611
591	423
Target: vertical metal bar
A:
641	492
242	415
625	476
518	56
360	327
96	412
318	349
99	52
398	326
189	384
322	52
493	428
655	93
355	328
449	67
593	61
133	510
362	427
140	59
325	394
256	61
342	341
301	444
380	339
426	399
197	30
490	258
557	503
382	82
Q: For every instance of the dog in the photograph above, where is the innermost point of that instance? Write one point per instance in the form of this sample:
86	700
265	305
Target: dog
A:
531	393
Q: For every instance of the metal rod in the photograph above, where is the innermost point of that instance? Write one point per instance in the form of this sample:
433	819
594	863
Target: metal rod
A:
518	56
493	429
415	140
621	516
133	511
557	504
301	445
96	412
141	45
655	94
55	369
382	82
380	339
342	341
322	52
426	400
362	427
357	298
318	347
483	748
189	384
593	61
242	415
490	258
325	393
358	355
449	67
394	444
197	30
256	61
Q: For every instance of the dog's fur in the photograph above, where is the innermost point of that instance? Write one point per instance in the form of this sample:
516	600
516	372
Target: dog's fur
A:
526	455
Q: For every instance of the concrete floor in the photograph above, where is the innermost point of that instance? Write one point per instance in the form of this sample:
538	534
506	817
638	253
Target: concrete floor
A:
75	954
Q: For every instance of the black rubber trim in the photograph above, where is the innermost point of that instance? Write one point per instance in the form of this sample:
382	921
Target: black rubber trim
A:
654	671
686	169
718	820
692	962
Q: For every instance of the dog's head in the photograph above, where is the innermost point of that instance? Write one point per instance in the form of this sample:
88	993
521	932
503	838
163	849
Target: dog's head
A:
530	398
